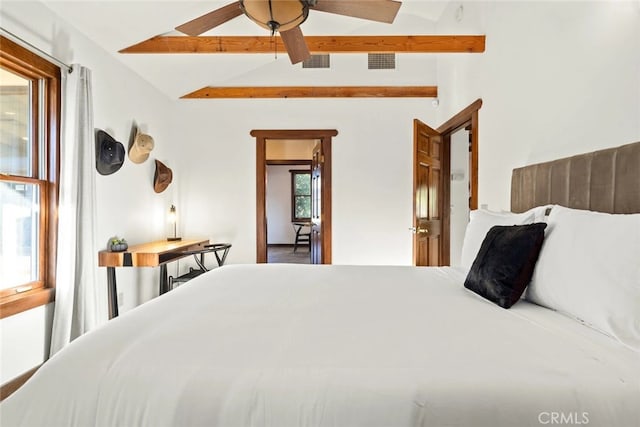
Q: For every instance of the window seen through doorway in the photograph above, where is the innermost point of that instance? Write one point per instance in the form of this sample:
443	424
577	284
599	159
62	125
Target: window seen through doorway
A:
300	196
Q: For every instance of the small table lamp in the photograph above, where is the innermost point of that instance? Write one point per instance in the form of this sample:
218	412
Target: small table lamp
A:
174	220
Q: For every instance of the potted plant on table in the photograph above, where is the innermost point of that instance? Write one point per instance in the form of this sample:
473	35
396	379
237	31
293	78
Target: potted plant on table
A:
117	245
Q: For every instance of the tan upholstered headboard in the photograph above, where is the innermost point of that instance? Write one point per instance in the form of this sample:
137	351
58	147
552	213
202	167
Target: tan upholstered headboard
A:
604	181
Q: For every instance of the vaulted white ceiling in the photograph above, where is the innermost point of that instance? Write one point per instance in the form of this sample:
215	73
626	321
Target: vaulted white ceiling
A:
116	24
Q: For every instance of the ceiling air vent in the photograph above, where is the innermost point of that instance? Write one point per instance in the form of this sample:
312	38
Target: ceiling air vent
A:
317	61
382	61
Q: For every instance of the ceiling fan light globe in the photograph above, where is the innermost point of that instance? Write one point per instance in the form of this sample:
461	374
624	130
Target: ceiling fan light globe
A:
284	14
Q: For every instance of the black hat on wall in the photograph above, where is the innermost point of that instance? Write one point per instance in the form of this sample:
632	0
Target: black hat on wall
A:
109	153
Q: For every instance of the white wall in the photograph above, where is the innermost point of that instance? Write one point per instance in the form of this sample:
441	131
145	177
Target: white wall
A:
557	78
459	192
127	205
24	340
372	175
279	229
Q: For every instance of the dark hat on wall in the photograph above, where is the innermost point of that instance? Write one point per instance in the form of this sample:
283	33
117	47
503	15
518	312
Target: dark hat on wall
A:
109	153
162	178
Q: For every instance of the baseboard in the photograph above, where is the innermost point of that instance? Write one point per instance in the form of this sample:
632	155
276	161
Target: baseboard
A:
10	387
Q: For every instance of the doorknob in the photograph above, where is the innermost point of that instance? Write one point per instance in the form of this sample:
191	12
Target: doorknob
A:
419	230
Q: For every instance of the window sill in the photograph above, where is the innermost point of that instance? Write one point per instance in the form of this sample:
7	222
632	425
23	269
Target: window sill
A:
24	301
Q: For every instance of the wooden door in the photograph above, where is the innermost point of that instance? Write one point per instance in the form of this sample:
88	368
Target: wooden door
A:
427	195
317	162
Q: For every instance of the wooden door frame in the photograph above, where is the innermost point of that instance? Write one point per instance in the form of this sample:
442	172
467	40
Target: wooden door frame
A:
324	135
467	117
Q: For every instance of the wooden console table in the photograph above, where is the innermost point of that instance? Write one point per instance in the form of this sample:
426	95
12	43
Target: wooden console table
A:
151	254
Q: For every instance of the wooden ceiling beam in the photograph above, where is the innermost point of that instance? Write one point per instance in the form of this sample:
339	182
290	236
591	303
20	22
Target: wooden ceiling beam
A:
316	44
246	92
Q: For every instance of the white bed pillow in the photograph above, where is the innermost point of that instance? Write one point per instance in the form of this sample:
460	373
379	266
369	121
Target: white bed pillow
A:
589	268
481	220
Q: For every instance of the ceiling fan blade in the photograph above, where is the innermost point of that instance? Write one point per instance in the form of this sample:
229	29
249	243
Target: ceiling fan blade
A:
211	20
295	44
373	10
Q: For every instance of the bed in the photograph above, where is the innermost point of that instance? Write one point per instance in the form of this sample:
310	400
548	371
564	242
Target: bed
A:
252	345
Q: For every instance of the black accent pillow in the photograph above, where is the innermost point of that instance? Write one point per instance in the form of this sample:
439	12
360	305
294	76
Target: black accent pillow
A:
504	265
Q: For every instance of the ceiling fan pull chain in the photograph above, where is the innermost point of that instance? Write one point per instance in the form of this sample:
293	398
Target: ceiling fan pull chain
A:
274	43
272	24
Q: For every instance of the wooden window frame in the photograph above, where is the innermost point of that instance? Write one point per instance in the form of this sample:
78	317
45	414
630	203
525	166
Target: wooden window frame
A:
44	173
294	173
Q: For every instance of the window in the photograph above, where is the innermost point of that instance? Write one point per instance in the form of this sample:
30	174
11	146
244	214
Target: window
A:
29	120
300	195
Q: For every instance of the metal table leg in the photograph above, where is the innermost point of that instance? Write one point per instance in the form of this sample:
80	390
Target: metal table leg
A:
112	291
164	279
224	256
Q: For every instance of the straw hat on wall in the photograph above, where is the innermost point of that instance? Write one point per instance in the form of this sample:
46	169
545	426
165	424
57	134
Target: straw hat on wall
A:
141	147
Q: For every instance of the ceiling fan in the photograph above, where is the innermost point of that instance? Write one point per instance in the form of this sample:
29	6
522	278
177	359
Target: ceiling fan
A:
285	17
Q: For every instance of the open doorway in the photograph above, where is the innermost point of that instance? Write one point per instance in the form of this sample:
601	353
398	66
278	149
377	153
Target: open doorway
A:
288	200
460	190
459	133
320	224
436	175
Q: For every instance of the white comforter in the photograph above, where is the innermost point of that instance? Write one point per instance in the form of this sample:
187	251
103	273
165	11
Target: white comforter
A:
293	345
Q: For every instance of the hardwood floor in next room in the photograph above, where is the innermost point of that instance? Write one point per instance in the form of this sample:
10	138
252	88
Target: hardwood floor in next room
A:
285	254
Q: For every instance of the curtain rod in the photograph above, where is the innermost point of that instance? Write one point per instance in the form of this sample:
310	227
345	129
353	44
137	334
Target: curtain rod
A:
37	50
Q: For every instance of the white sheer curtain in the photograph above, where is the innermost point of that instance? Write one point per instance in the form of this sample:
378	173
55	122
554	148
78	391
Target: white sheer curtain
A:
77	309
